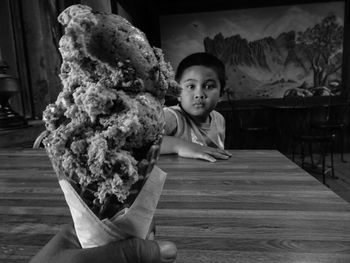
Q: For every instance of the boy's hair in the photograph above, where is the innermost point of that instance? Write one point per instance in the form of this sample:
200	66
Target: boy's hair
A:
203	59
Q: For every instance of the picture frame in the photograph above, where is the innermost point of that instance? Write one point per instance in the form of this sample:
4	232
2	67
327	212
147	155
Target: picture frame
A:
270	52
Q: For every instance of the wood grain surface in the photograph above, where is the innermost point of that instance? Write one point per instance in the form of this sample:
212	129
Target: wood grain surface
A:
256	207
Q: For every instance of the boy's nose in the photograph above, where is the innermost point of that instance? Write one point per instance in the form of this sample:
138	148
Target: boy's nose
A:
199	95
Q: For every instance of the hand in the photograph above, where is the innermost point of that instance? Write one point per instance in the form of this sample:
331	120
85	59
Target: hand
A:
64	247
194	150
171	145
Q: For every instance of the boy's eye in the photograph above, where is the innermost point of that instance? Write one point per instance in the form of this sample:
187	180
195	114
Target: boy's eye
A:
190	86
210	86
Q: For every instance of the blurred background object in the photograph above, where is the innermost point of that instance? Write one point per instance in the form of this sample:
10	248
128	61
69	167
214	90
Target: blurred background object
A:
9	86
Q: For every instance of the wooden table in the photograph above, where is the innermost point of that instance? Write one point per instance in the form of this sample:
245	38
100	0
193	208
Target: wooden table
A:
256	207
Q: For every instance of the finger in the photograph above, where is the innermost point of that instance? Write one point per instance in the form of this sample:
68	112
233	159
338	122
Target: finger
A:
222	151
167	251
206	157
219	155
216	153
60	249
197	155
227	153
211	150
133	250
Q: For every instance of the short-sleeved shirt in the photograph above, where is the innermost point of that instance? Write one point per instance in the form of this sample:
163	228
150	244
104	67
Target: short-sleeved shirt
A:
179	124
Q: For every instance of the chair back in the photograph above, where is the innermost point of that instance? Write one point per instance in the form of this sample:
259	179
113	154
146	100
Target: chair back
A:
331	113
296	115
253	119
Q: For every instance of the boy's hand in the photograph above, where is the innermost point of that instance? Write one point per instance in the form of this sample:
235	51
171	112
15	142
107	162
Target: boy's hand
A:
194	150
171	145
64	247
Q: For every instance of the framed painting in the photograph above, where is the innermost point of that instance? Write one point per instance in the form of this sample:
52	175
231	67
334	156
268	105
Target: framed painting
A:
269	52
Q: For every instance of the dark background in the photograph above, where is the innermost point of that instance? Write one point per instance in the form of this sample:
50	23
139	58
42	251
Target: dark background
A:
29	35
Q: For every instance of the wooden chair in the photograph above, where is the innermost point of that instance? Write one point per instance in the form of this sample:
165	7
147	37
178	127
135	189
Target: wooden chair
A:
254	128
333	121
325	143
286	119
309	137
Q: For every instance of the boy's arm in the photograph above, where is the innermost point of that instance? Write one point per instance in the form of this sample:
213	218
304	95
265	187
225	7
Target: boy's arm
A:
174	145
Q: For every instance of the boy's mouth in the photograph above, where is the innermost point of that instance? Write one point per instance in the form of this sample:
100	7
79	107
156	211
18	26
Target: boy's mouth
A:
198	104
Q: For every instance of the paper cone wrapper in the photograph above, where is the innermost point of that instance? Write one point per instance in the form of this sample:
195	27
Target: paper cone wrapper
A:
130	222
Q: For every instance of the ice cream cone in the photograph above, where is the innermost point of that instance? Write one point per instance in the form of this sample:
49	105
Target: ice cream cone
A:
130	222
134	221
105	128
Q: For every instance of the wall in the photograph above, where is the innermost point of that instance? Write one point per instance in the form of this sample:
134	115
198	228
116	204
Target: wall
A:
41	37
8	49
33	33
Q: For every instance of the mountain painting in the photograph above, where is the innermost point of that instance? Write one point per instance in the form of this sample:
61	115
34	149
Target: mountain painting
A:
269	52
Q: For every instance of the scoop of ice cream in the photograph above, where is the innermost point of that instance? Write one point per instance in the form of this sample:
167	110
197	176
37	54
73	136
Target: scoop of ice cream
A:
109	47
109	112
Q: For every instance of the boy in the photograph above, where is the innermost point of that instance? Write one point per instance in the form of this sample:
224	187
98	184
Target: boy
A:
193	128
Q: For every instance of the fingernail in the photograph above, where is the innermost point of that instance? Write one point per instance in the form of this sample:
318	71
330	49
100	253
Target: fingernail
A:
167	251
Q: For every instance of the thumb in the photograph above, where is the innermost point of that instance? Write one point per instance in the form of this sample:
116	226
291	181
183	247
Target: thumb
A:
132	250
167	251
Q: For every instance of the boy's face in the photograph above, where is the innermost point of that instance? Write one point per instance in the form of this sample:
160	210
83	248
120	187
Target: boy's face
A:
200	91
